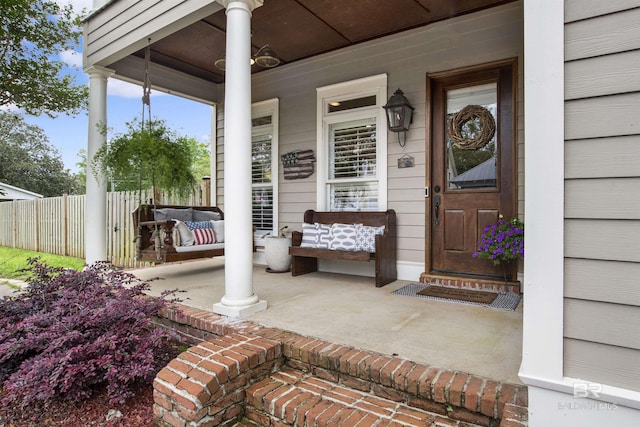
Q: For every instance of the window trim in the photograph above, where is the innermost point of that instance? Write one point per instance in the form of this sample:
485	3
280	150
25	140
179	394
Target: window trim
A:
372	85
262	108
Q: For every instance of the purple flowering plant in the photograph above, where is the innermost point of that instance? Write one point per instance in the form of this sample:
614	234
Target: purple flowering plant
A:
502	241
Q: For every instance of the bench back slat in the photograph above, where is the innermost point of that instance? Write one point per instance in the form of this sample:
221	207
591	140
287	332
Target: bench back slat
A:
374	219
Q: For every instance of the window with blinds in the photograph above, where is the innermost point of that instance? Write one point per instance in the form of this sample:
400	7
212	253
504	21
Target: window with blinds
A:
352	165
352	145
261	149
262	208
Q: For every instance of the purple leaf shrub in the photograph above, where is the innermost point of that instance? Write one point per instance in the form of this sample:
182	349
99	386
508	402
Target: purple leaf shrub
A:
70	332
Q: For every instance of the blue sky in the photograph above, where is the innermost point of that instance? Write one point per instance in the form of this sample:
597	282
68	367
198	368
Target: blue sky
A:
69	134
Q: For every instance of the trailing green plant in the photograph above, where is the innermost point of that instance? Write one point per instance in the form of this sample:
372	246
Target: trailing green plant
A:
152	156
502	241
71	332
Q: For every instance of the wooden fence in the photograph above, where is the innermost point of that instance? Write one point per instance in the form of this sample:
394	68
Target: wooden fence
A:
55	225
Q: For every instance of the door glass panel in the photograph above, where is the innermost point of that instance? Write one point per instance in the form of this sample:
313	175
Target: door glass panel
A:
471	158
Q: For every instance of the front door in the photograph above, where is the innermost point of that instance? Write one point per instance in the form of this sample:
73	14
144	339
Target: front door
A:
472	145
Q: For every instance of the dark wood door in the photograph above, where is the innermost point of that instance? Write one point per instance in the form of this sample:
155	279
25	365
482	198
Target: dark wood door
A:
472	173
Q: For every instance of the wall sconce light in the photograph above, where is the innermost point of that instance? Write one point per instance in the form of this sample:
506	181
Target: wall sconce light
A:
399	114
264	57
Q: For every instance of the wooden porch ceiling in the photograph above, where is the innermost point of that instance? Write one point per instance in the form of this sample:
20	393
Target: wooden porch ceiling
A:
299	29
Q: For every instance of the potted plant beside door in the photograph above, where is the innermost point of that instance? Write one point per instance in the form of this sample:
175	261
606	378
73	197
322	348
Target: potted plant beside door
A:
276	252
502	242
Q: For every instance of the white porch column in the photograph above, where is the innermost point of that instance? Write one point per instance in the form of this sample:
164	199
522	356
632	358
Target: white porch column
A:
239	299
95	222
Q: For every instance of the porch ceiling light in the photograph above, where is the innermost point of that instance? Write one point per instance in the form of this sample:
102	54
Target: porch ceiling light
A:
264	57
221	62
399	114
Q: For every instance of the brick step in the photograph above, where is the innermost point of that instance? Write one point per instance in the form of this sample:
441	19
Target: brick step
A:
249	376
293	398
471	283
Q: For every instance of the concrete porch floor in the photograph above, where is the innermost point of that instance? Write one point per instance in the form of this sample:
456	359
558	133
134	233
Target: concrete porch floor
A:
350	310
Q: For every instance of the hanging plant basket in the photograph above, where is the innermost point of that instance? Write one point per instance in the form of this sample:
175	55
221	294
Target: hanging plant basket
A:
458	121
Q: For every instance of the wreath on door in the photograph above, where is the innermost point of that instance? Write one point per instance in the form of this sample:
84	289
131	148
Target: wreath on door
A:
481	138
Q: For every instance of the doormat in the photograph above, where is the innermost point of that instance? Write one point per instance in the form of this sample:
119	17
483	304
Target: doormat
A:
503	301
482	297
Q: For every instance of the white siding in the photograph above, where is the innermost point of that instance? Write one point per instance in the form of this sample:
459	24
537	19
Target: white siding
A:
605	364
406	58
602	192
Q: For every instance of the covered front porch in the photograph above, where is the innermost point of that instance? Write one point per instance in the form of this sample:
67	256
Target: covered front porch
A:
349	309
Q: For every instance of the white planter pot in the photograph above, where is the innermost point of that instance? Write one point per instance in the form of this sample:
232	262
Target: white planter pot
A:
276	253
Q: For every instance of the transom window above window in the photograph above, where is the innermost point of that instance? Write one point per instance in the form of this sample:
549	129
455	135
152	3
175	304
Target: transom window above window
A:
349	104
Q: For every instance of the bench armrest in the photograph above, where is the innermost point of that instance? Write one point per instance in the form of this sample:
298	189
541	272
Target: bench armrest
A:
296	238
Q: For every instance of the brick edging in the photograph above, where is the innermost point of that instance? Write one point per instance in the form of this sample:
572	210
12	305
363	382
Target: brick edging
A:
458	395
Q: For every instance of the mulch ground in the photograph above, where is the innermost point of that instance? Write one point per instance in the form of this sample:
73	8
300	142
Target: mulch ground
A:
136	412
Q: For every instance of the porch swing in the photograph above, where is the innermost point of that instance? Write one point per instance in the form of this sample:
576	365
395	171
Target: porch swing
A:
170	233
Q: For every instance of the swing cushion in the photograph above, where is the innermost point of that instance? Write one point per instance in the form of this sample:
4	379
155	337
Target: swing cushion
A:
202	232
186	235
167	214
199	215
204	236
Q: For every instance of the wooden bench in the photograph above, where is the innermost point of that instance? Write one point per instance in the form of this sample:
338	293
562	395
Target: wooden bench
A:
305	260
167	251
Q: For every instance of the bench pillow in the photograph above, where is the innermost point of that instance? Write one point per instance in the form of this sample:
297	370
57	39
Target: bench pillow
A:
199	215
218	228
316	235
203	232
343	237
366	237
167	214
309	236
186	235
324	236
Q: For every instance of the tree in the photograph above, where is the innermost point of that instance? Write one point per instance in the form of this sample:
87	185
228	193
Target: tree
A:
29	161
202	158
32	35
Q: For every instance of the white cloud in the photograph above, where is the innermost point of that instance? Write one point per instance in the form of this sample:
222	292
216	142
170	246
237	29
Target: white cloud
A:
124	89
72	58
